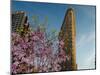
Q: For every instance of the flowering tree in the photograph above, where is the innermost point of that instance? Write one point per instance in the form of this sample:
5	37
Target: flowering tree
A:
35	52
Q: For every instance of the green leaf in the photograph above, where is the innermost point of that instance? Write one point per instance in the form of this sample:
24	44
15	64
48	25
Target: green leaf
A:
53	30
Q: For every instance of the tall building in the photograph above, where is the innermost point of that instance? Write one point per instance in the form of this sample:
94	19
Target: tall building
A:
68	34
19	18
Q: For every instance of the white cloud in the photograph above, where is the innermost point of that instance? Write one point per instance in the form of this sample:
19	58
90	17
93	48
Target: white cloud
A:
87	60
85	38
88	63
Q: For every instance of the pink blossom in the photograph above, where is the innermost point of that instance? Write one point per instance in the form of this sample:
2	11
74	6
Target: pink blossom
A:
36	53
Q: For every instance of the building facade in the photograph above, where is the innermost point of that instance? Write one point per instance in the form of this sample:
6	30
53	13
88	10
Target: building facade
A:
68	34
19	19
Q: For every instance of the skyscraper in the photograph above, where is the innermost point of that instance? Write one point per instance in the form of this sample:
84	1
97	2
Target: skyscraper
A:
68	34
19	18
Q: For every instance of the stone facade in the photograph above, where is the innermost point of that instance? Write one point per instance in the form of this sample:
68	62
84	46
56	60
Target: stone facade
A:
68	34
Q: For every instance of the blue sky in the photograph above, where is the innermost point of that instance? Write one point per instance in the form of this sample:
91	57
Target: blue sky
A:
85	25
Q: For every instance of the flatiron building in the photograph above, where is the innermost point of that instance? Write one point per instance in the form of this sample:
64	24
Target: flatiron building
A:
68	34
